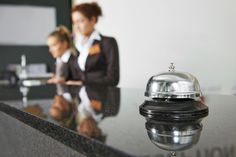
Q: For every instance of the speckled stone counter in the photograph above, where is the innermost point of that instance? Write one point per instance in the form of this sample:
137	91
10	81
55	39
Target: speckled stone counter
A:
101	122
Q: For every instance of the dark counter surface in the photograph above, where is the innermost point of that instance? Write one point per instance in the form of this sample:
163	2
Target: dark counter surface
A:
106	121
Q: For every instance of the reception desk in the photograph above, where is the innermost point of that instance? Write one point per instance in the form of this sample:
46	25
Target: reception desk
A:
57	120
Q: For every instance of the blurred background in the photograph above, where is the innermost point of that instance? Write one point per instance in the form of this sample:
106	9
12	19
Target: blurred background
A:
198	36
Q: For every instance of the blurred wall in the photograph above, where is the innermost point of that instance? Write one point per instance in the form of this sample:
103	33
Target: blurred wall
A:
22	24
197	35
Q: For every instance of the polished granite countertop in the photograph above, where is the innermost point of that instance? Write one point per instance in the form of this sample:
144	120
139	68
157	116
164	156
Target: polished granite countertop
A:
105	121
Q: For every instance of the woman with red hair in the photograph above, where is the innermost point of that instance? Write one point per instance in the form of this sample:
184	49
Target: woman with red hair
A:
98	57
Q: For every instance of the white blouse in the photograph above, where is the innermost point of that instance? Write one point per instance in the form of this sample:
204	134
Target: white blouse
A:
84	48
60	61
85	108
64	58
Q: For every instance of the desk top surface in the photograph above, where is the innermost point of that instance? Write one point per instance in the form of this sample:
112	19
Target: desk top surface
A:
109	122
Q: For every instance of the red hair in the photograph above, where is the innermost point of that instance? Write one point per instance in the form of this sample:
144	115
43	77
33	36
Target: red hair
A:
89	10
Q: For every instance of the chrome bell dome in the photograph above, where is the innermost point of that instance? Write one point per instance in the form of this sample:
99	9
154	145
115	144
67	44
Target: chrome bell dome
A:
173	84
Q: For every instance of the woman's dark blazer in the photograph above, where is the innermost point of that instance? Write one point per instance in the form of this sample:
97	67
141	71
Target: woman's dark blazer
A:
65	68
102	65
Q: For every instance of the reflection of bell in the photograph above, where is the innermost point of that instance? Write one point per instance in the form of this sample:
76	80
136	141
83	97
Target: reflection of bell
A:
174	136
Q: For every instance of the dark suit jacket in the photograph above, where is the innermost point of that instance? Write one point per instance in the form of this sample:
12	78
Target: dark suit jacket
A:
64	70
101	68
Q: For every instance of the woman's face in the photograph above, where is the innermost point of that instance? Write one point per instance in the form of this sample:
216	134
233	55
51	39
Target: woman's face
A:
56	47
82	24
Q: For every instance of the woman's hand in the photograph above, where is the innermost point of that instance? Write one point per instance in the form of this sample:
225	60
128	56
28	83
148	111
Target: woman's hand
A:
54	80
77	83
